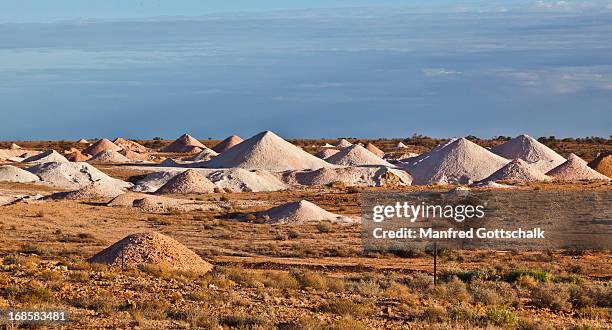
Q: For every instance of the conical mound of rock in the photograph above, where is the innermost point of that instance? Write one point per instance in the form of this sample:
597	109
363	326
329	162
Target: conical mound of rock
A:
227	144
326	153
518	171
302	212
72	175
603	164
342	143
130	145
357	155
10	173
266	151
82	141
109	156
134	156
77	156
187	182
151	248
46	157
530	150
458	161
184	144
15	146
400	145
101	145
97	189
205	155
375	150
575	169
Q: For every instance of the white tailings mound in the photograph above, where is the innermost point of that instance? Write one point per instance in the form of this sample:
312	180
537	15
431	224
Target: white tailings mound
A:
153	181
206	155
459	161
135	156
326	153
401	145
530	150
98	189
101	145
82	141
160	204
342	143
302	212
227	144
130	145
73	175
241	180
375	150
185	143
266	151
7	200
151	248
575	169
357	155
10	173
109	156
351	176
188	182
46	157
518	170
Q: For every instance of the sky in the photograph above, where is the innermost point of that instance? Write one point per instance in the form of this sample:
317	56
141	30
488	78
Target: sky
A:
304	69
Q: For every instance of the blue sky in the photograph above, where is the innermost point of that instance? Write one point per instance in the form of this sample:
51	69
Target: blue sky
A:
138	69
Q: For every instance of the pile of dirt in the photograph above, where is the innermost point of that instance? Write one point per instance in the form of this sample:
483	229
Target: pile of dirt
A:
169	162
151	248
153	181
160	204
400	145
575	169
187	182
530	150
73	175
458	161
10	173
227	144
206	155
15	147
100	146
302	212
374	149
7	200
77	156
603	164
98	189
350	177
266	151
327	145
357	155
109	156
241	180
130	145
82	141
518	171
46	157
342	143
326	153
135	156
184	144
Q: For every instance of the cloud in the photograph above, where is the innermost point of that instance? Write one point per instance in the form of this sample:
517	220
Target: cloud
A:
439	72
565	80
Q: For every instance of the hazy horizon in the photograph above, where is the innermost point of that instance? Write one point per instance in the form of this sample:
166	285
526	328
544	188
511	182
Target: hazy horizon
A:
354	68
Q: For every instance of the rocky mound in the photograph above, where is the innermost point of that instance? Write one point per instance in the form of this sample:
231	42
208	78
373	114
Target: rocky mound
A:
98	189
400	145
302	212
241	180
46	157
82	141
151	248
575	169
7	200
227	144
169	162
130	145
187	182
266	151
327	145
357	155
134	156
518	170
72	175
100	146
77	156
350	177
326	153
153	181
374	149
10	173
458	161
159	204
184	144
15	147
603	164
205	155
109	156
530	150
342	143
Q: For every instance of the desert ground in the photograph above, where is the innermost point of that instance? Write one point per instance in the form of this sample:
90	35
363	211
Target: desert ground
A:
285	275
